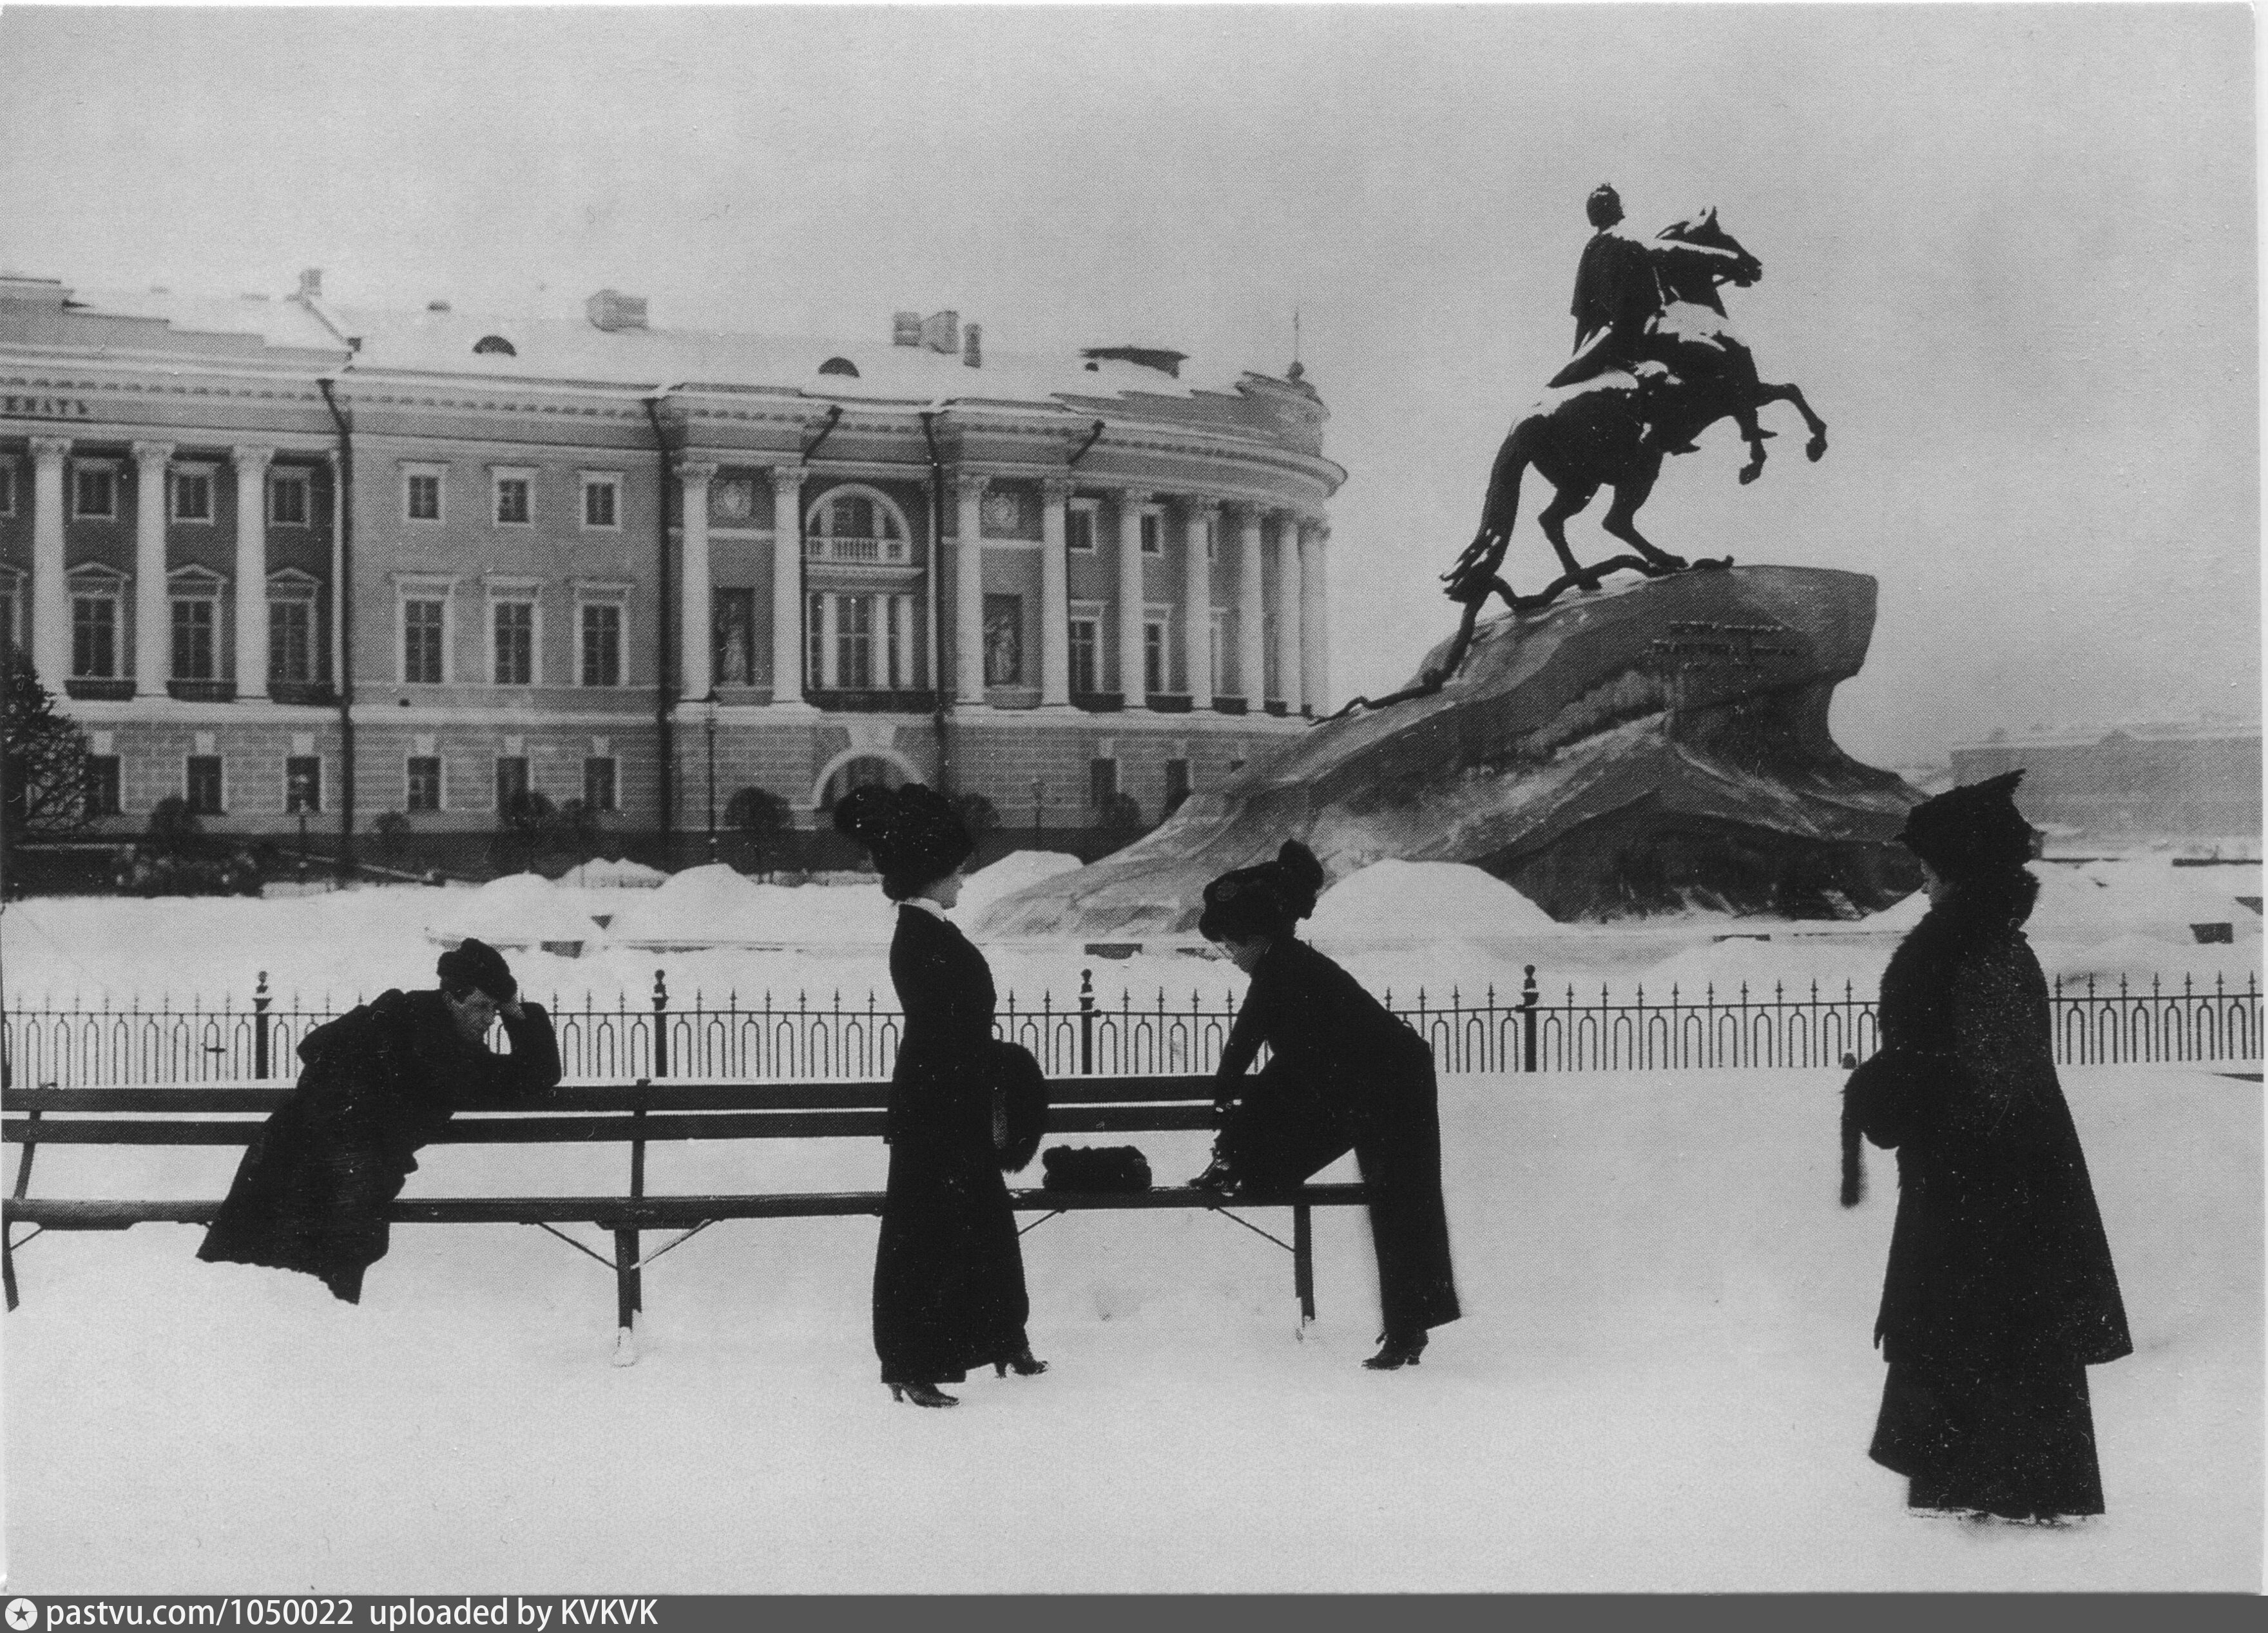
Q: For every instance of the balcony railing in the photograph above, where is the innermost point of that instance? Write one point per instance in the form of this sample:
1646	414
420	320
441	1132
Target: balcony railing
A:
858	551
92	689
202	691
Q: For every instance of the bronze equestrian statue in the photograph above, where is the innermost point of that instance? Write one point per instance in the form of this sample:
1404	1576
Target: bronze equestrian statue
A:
1654	365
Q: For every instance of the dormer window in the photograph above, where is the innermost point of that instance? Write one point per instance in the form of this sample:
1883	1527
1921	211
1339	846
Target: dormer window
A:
840	365
494	346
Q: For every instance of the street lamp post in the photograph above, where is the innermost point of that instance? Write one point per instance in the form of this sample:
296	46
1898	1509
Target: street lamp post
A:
708	721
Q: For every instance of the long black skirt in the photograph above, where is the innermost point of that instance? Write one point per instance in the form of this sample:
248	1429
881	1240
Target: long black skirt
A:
2017	1444
1283	1127
948	1270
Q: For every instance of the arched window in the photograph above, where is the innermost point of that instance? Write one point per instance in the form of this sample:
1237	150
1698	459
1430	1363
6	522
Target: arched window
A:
496	346
840	365
856	523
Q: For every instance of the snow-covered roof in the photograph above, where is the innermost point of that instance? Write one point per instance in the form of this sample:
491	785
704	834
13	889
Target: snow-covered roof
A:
563	349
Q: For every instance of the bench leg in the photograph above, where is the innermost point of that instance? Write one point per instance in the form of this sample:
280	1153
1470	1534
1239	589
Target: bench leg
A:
8	1262
1303	1259
628	1294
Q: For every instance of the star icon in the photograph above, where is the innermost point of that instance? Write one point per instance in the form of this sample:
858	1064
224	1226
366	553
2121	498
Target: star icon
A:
23	1614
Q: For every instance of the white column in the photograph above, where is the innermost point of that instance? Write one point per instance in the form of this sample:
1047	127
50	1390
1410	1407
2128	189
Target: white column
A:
252	569
695	639
153	628
1288	646
787	585
902	613
968	590
1132	694
1196	603
51	626
1251	614
1314	658
1055	598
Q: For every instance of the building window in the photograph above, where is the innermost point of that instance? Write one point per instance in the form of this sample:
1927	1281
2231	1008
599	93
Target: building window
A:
94	638
515	502
814	644
94	492
421	496
1154	656
1177	784
291	638
732	614
854	525
193	493
7	487
287	498
601	637
7	621
599	783
303	783
511	783
195	630
513	626
1219	655
1078	527
1153	534
1085	644
1004	640
102	786
1102	784
854	642
601	500
204	790
421	647
424	782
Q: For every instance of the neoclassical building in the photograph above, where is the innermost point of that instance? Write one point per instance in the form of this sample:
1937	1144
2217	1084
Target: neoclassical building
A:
289	559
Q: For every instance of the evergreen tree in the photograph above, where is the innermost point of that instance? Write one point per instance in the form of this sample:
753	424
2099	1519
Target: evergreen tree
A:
43	761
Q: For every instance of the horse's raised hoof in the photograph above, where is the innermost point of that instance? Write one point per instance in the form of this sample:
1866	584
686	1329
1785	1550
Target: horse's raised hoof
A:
1816	446
1750	473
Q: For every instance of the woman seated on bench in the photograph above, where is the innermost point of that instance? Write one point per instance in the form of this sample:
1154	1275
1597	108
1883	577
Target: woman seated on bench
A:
948	1271
379	1082
1342	1072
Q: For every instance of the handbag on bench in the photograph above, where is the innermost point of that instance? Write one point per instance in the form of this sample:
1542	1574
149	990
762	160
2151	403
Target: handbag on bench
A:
1094	1170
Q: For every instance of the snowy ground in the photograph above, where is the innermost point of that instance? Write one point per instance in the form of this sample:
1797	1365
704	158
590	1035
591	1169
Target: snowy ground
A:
1663	1382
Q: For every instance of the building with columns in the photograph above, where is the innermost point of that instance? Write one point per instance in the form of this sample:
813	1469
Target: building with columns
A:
295	560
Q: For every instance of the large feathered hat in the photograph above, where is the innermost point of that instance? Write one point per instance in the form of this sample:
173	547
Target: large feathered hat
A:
913	833
1975	828
1264	901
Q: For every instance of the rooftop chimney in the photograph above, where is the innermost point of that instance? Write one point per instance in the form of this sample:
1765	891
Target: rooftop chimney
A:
972	346
905	328
611	310
310	283
940	331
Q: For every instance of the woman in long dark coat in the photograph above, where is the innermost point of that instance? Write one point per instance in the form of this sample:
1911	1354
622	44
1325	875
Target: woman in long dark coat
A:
948	1270
375	1084
1342	1073
1999	1292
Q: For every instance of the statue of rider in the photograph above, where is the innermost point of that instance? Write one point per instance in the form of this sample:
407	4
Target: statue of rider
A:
1617	294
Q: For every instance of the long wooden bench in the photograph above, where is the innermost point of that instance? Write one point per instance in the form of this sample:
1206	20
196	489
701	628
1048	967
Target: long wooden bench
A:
635	1114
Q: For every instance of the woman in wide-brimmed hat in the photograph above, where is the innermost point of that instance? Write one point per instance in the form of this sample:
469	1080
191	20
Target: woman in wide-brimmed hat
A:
948	1273
1999	1292
1342	1072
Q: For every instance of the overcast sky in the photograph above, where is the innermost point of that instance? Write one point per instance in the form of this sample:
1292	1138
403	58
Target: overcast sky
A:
2009	256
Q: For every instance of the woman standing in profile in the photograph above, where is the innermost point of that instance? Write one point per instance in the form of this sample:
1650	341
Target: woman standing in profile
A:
2000	1292
948	1272
1342	1073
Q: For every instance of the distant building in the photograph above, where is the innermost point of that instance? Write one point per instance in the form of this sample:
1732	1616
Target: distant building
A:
2160	779
566	555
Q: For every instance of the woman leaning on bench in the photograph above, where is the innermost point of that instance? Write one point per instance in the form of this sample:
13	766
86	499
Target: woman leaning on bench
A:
948	1271
1342	1071
378	1083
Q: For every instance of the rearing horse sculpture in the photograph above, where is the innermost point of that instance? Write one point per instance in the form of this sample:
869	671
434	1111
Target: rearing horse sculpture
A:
1614	431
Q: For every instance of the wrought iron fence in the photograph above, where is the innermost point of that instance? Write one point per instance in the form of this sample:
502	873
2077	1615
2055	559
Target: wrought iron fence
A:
132	1044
